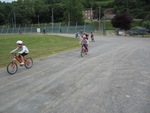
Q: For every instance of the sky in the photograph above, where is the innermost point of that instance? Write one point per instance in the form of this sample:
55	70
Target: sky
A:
7	0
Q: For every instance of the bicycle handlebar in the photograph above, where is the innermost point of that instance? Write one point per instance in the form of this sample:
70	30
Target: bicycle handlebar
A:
15	54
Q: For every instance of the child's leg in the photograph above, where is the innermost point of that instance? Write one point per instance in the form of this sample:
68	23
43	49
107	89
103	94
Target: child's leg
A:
22	59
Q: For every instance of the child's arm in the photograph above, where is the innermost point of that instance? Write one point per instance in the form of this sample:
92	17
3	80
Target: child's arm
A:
87	41
14	50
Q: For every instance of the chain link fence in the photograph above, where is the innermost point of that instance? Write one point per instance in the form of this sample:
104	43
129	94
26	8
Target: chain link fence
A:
46	28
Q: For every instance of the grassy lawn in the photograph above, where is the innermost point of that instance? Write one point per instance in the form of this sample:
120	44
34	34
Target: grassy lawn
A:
38	45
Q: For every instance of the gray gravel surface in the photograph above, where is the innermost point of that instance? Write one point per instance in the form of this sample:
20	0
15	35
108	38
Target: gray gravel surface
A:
113	78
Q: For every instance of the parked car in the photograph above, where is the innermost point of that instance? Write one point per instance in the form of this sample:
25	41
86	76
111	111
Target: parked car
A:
132	32
138	31
148	29
142	31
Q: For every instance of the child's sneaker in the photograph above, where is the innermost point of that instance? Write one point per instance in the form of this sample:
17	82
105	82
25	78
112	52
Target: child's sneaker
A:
22	63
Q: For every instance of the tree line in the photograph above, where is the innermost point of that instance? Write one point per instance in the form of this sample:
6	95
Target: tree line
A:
46	11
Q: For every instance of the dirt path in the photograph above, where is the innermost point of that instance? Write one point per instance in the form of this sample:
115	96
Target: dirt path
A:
113	78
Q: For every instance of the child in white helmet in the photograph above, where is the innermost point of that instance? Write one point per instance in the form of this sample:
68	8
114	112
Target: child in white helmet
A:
24	50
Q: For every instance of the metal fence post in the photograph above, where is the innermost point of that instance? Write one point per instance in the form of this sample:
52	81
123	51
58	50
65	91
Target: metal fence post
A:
59	30
76	27
2	30
24	29
7	29
84	26
31	28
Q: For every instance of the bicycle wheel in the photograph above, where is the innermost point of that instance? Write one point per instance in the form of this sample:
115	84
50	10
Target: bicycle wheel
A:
28	63
12	68
83	51
93	40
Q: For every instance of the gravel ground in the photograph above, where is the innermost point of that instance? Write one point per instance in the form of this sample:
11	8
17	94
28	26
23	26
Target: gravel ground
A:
113	78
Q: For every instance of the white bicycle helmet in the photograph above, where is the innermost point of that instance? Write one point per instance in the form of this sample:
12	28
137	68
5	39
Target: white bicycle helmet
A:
19	42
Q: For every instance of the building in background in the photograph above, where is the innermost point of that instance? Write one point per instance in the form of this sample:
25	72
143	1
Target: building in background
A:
88	14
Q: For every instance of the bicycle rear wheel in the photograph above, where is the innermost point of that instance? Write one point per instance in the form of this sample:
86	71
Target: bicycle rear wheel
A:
12	68
28	63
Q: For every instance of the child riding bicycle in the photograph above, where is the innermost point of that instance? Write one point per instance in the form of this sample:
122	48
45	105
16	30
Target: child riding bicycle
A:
84	42
92	36
24	51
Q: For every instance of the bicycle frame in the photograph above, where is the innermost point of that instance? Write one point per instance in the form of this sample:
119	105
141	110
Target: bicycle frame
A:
17	58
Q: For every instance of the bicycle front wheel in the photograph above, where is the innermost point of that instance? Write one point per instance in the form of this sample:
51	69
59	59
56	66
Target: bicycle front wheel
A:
28	63
12	68
82	51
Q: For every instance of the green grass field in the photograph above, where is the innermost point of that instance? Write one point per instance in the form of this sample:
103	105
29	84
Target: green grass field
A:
38	45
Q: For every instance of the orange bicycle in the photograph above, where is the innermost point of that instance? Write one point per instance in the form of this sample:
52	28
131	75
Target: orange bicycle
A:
12	67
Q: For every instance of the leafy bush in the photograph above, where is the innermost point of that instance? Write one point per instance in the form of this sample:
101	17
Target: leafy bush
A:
146	24
136	23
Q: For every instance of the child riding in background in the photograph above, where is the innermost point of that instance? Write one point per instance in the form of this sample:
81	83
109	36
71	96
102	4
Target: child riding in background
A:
24	50
84	42
92	36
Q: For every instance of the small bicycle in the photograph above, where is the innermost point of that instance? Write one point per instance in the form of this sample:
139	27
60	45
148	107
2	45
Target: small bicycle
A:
12	67
92	39
83	51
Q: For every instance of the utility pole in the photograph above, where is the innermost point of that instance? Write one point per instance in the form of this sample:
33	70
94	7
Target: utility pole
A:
99	16
104	24
14	19
52	18
68	22
38	20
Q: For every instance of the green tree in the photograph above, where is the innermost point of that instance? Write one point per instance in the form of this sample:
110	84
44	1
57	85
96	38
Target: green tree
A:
73	11
2	16
24	10
41	12
2	19
88	3
58	11
5	13
53	1
136	8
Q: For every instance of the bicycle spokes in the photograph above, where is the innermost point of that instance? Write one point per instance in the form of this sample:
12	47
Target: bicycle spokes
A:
12	68
28	63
